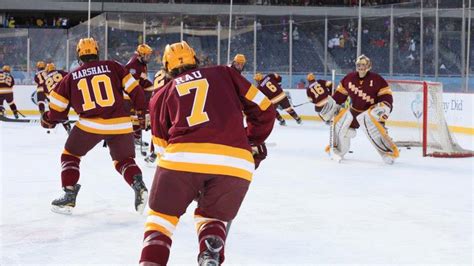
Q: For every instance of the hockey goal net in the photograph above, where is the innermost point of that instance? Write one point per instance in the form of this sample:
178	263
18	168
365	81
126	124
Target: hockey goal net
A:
426	125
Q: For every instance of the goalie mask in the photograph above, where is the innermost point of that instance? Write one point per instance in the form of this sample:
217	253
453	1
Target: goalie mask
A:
239	62
363	65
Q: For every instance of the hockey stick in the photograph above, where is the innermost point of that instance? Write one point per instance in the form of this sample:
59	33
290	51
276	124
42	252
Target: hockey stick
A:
30	121
330	148
297	105
20	113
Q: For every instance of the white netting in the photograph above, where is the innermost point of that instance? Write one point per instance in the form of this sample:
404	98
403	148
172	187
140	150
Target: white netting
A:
409	100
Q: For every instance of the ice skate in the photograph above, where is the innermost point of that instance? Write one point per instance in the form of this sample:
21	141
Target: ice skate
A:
140	143
299	121
66	203
210	257
282	122
141	193
150	160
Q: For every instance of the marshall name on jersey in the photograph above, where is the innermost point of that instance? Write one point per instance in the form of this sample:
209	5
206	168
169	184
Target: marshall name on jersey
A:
95	91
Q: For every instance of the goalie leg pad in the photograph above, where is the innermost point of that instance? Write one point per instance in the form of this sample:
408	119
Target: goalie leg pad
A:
378	136
342	133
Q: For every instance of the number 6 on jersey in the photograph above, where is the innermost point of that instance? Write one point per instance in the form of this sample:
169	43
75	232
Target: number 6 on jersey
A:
198	116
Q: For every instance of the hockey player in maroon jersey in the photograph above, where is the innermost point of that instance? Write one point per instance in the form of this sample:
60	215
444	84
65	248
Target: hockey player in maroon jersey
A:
318	91
239	62
40	77
137	66
6	90
51	80
95	92
371	104
161	78
270	85
205	153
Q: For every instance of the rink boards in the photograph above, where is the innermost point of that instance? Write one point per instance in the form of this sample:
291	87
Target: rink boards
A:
406	113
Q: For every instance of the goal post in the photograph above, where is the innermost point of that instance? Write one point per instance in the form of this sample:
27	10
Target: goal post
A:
428	127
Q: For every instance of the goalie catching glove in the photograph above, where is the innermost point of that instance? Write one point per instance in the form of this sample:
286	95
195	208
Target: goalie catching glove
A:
259	153
380	111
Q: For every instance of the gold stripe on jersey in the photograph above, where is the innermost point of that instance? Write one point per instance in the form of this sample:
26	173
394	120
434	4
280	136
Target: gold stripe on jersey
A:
160	145
57	102
210	148
384	91
112	126
161	222
206	169
342	90
257	97
278	98
129	83
6	90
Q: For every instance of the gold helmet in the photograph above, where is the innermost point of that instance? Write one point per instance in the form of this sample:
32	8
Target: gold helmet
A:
50	67
87	46
310	77
143	49
363	65
177	55
6	68
40	65
258	77
240	58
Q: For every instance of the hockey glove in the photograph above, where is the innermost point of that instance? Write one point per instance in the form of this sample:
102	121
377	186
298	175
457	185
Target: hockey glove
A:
46	122
380	111
259	153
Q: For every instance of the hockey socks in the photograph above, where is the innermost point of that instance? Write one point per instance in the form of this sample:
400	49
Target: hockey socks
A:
69	169
128	169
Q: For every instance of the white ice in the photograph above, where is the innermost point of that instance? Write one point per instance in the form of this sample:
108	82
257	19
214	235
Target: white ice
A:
302	208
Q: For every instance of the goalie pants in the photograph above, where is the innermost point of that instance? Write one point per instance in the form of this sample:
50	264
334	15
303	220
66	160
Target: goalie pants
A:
219	198
79	142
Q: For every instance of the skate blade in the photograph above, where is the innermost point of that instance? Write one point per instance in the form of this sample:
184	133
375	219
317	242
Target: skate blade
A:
141	207
336	157
62	210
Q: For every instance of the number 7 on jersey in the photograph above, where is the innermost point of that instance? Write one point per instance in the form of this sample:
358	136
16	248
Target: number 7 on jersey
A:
198	115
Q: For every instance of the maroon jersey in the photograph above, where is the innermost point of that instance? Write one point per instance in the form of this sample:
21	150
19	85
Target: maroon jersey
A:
318	92
140	72
6	82
40	78
52	80
270	86
364	92
160	80
197	122
95	91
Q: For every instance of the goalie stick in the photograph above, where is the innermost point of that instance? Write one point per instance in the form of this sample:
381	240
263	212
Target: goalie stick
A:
329	149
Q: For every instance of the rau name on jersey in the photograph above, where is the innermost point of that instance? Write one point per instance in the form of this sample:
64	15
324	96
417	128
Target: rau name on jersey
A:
188	77
90	71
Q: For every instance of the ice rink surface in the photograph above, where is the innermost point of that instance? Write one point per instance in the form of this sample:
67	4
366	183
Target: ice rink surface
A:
302	207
